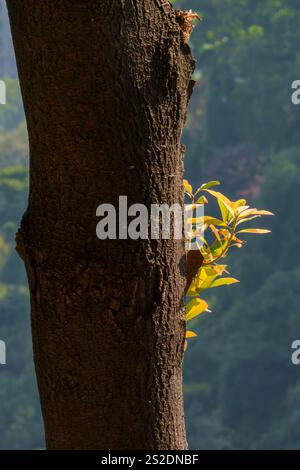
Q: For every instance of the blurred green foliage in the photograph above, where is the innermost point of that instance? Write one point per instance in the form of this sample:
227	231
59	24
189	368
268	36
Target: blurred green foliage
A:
241	387
11	115
247	59
20	419
242	357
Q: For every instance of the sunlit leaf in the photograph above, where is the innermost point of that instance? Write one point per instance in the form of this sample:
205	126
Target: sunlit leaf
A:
206	220
227	203
223	281
219	268
262	212
248	213
225	233
190	334
206	253
241	203
241	209
220	196
194	308
214	221
253	212
210	274
247	219
205	276
202	200
208	185
255	230
218	247
188	188
226	216
215	232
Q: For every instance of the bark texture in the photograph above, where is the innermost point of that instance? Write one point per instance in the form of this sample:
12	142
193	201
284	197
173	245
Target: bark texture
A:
105	85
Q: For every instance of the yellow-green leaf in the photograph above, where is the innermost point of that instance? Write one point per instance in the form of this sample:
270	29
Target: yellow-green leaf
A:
194	308
205	276
188	188
202	200
214	221
206	220
223	281
227	203
219	195
241	203
208	185
224	212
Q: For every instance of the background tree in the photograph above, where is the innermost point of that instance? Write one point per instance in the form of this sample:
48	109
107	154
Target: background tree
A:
105	87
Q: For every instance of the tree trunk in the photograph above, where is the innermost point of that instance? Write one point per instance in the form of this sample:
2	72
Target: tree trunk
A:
105	85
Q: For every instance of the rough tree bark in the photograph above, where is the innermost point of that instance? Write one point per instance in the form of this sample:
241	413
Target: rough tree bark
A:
105	85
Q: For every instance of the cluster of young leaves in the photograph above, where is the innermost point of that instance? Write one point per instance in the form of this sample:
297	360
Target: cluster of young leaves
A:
226	232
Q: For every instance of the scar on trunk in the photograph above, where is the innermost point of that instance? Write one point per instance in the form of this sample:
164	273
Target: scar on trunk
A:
185	20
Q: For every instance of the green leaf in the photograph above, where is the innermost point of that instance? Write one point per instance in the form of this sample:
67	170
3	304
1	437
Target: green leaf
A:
218	247
205	186
224	211
194	308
